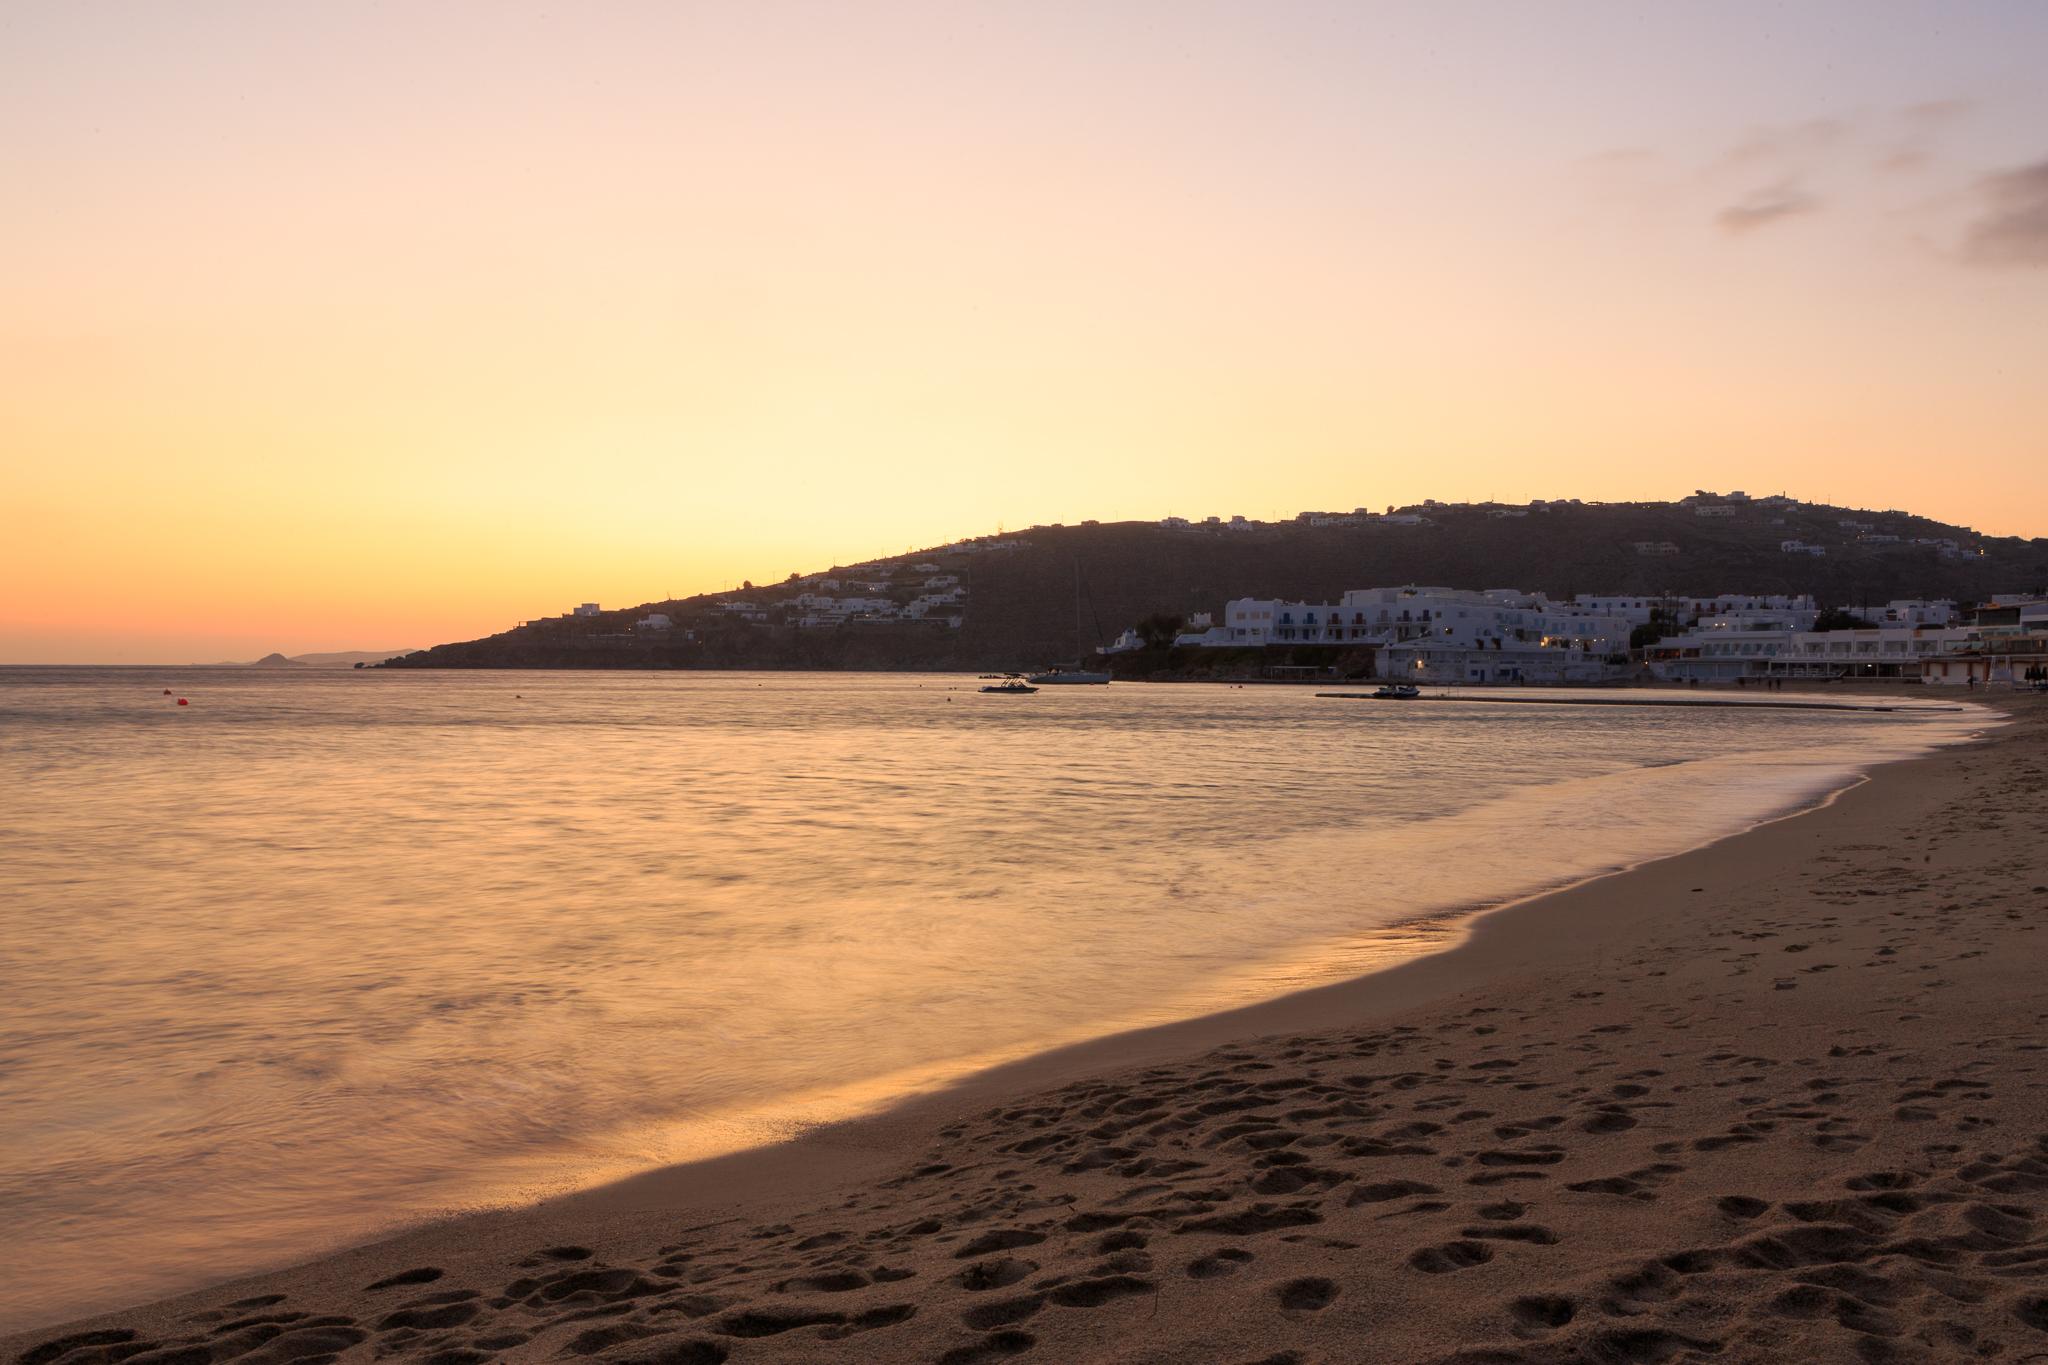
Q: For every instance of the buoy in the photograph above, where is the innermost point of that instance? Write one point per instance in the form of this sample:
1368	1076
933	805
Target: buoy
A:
167	691
183	702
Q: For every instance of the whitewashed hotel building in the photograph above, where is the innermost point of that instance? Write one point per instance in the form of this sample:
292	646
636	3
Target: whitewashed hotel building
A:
1440	634
1727	655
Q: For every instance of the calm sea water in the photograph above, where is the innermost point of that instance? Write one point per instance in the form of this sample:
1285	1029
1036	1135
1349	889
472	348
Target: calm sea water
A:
324	953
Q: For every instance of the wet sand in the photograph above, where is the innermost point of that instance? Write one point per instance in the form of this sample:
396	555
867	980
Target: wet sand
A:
1777	1099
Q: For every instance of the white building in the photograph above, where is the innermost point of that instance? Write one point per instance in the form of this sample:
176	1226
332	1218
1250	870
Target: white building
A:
1438	634
1501	660
1123	644
1881	652
2001	661
654	620
1916	611
1746	622
1729	611
1800	547
1728	603
2011	615
1756	616
1635	610
587	609
932	603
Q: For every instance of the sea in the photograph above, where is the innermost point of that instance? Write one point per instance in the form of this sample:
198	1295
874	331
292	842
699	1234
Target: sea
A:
290	959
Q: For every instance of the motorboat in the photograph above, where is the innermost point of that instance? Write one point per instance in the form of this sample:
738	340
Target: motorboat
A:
1058	675
1012	687
1398	692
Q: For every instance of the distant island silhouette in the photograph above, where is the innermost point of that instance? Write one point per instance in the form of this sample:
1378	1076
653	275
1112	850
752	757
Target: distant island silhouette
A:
347	658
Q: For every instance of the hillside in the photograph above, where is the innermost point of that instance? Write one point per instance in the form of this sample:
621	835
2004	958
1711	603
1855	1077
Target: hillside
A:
1010	601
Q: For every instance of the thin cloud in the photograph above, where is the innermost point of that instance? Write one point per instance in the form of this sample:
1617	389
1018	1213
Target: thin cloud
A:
1773	165
1917	132
1783	144
1862	160
2012	226
1764	206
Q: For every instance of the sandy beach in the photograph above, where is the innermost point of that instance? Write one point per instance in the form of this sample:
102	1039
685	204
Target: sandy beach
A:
1777	1099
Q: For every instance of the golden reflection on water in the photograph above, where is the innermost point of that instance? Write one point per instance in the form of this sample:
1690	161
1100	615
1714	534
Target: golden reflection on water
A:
324	953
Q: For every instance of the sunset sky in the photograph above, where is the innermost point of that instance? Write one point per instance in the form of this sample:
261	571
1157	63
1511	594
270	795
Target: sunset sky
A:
355	325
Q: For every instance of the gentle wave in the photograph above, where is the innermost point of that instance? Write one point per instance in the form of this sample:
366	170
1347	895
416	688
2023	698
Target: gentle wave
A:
321	954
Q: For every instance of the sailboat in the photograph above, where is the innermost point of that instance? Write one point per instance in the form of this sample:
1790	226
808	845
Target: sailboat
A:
1061	674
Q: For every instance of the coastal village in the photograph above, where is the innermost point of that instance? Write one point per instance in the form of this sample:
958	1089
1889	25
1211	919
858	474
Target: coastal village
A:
1500	635
1048	594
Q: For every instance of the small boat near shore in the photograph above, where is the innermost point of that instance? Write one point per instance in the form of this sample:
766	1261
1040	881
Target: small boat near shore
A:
1013	686
1398	692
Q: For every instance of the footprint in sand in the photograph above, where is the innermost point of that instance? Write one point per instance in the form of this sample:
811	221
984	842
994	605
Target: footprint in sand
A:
1459	1255
995	1346
1227	1261
1309	1294
425	1274
1536	1314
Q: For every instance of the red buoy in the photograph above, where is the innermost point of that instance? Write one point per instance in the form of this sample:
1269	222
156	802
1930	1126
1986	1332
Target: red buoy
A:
183	702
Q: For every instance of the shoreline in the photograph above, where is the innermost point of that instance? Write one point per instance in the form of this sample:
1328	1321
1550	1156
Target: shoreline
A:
1723	703
1545	931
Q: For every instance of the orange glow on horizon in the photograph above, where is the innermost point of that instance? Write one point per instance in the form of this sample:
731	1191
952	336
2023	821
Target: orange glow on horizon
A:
344	329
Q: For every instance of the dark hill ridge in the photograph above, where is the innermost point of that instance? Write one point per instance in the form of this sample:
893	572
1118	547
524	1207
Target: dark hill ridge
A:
1020	609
